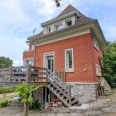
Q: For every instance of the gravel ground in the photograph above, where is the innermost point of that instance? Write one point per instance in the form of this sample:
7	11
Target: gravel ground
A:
95	109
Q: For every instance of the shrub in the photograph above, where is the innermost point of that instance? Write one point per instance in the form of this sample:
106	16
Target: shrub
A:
5	103
35	105
7	89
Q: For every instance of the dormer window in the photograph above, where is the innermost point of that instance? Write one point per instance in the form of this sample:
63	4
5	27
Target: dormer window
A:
58	27
49	30
69	23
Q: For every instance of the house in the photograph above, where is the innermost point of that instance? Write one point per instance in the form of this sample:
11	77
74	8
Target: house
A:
72	42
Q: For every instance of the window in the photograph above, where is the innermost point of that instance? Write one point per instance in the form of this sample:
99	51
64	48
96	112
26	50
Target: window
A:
98	70
69	60
49	30
69	23
58	27
96	45
101	63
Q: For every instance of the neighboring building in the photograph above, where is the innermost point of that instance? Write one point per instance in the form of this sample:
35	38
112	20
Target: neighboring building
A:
72	42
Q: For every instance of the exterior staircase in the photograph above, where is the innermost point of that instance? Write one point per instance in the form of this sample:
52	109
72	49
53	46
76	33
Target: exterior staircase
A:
60	88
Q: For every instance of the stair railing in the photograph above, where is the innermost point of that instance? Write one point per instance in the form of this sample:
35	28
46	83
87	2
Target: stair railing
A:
60	84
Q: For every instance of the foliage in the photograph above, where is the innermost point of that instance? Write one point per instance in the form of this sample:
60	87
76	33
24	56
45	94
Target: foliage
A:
6	89
24	91
35	105
5	103
5	62
109	64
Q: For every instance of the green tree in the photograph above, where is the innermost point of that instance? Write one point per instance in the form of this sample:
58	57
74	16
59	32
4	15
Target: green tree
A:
25	91
5	62
109	63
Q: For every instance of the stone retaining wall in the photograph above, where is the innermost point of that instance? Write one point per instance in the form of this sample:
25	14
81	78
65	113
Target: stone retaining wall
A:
84	92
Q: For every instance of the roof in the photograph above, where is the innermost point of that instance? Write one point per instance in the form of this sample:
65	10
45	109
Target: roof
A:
81	20
68	9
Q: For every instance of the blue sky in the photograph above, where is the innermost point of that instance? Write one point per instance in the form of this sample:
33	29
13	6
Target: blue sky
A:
19	17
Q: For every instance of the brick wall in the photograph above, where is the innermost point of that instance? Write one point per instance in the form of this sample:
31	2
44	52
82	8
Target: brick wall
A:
28	54
84	57
96	59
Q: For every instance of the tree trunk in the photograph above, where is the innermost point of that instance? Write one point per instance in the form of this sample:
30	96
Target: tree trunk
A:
26	109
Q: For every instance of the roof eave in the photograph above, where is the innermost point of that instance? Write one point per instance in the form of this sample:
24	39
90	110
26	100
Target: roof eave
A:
59	18
94	25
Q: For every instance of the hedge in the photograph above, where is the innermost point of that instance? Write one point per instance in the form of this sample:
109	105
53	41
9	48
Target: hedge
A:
7	89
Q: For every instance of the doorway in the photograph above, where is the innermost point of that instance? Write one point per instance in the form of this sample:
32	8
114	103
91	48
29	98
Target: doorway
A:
49	61
49	64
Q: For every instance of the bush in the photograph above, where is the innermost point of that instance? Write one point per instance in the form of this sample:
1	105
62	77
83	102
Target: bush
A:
5	103
7	89
35	105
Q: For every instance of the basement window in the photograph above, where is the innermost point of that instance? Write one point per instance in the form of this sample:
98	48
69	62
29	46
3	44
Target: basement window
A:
69	65
98	70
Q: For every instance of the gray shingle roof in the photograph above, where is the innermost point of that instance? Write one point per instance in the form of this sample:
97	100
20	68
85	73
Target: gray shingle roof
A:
81	20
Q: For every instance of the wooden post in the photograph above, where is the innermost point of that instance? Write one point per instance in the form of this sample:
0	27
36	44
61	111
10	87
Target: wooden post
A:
64	75
28	75
70	94
59	72
11	73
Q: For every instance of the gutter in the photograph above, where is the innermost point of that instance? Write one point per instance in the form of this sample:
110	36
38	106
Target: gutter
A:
59	31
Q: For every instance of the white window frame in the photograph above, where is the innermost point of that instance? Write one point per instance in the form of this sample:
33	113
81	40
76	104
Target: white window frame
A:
96	44
67	20
98	70
44	58
49	28
67	69
59	27
67	23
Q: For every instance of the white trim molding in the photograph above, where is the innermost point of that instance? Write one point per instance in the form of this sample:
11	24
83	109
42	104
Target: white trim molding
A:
67	67
44	58
65	35
98	70
29	58
81	83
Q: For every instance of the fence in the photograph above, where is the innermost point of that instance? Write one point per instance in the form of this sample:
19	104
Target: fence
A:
23	73
60	73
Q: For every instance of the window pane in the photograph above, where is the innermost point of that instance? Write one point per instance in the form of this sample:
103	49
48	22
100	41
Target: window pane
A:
58	27
70	59
69	23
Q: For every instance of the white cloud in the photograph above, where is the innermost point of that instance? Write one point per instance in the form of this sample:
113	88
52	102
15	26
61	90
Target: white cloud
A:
46	8
110	32
17	63
19	17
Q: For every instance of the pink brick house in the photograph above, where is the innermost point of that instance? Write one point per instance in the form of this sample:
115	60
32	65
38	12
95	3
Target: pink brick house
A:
72	42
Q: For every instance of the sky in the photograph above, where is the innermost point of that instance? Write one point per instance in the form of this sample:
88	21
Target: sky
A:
18	18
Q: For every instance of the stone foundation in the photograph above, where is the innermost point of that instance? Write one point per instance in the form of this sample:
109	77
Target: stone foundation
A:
38	95
84	92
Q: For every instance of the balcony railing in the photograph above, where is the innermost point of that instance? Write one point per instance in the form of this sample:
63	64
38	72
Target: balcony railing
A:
23	73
